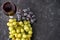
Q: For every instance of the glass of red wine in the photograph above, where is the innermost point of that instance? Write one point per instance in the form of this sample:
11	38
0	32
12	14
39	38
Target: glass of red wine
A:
9	8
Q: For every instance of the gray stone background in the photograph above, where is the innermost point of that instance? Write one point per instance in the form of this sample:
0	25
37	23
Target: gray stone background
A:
47	26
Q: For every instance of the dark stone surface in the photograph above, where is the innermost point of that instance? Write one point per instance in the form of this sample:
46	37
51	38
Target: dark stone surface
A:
47	13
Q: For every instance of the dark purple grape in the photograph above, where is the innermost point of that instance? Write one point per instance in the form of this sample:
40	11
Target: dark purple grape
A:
30	12
32	20
25	10
23	18
25	14
33	16
29	16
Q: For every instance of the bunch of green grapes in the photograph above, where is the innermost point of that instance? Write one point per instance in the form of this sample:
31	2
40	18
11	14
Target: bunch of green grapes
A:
21	30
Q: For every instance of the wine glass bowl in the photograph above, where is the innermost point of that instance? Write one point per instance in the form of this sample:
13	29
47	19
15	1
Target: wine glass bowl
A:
9	8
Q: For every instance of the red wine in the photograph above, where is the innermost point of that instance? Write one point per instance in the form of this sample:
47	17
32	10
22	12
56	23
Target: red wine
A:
9	8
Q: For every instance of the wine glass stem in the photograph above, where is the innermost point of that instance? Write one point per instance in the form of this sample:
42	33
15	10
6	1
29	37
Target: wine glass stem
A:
10	16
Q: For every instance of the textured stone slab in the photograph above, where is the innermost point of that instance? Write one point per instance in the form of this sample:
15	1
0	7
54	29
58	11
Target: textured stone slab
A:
47	13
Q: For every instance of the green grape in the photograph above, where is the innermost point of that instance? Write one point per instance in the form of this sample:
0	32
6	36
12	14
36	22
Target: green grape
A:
17	39
14	23
29	25
29	36
30	32
31	28
16	35
29	39
26	39
25	22
22	39
20	23
15	26
25	25
13	31
11	20
10	28
28	22
18	30
11	36
26	28
14	20
10	32
8	24
19	35
22	30
19	27
24	36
